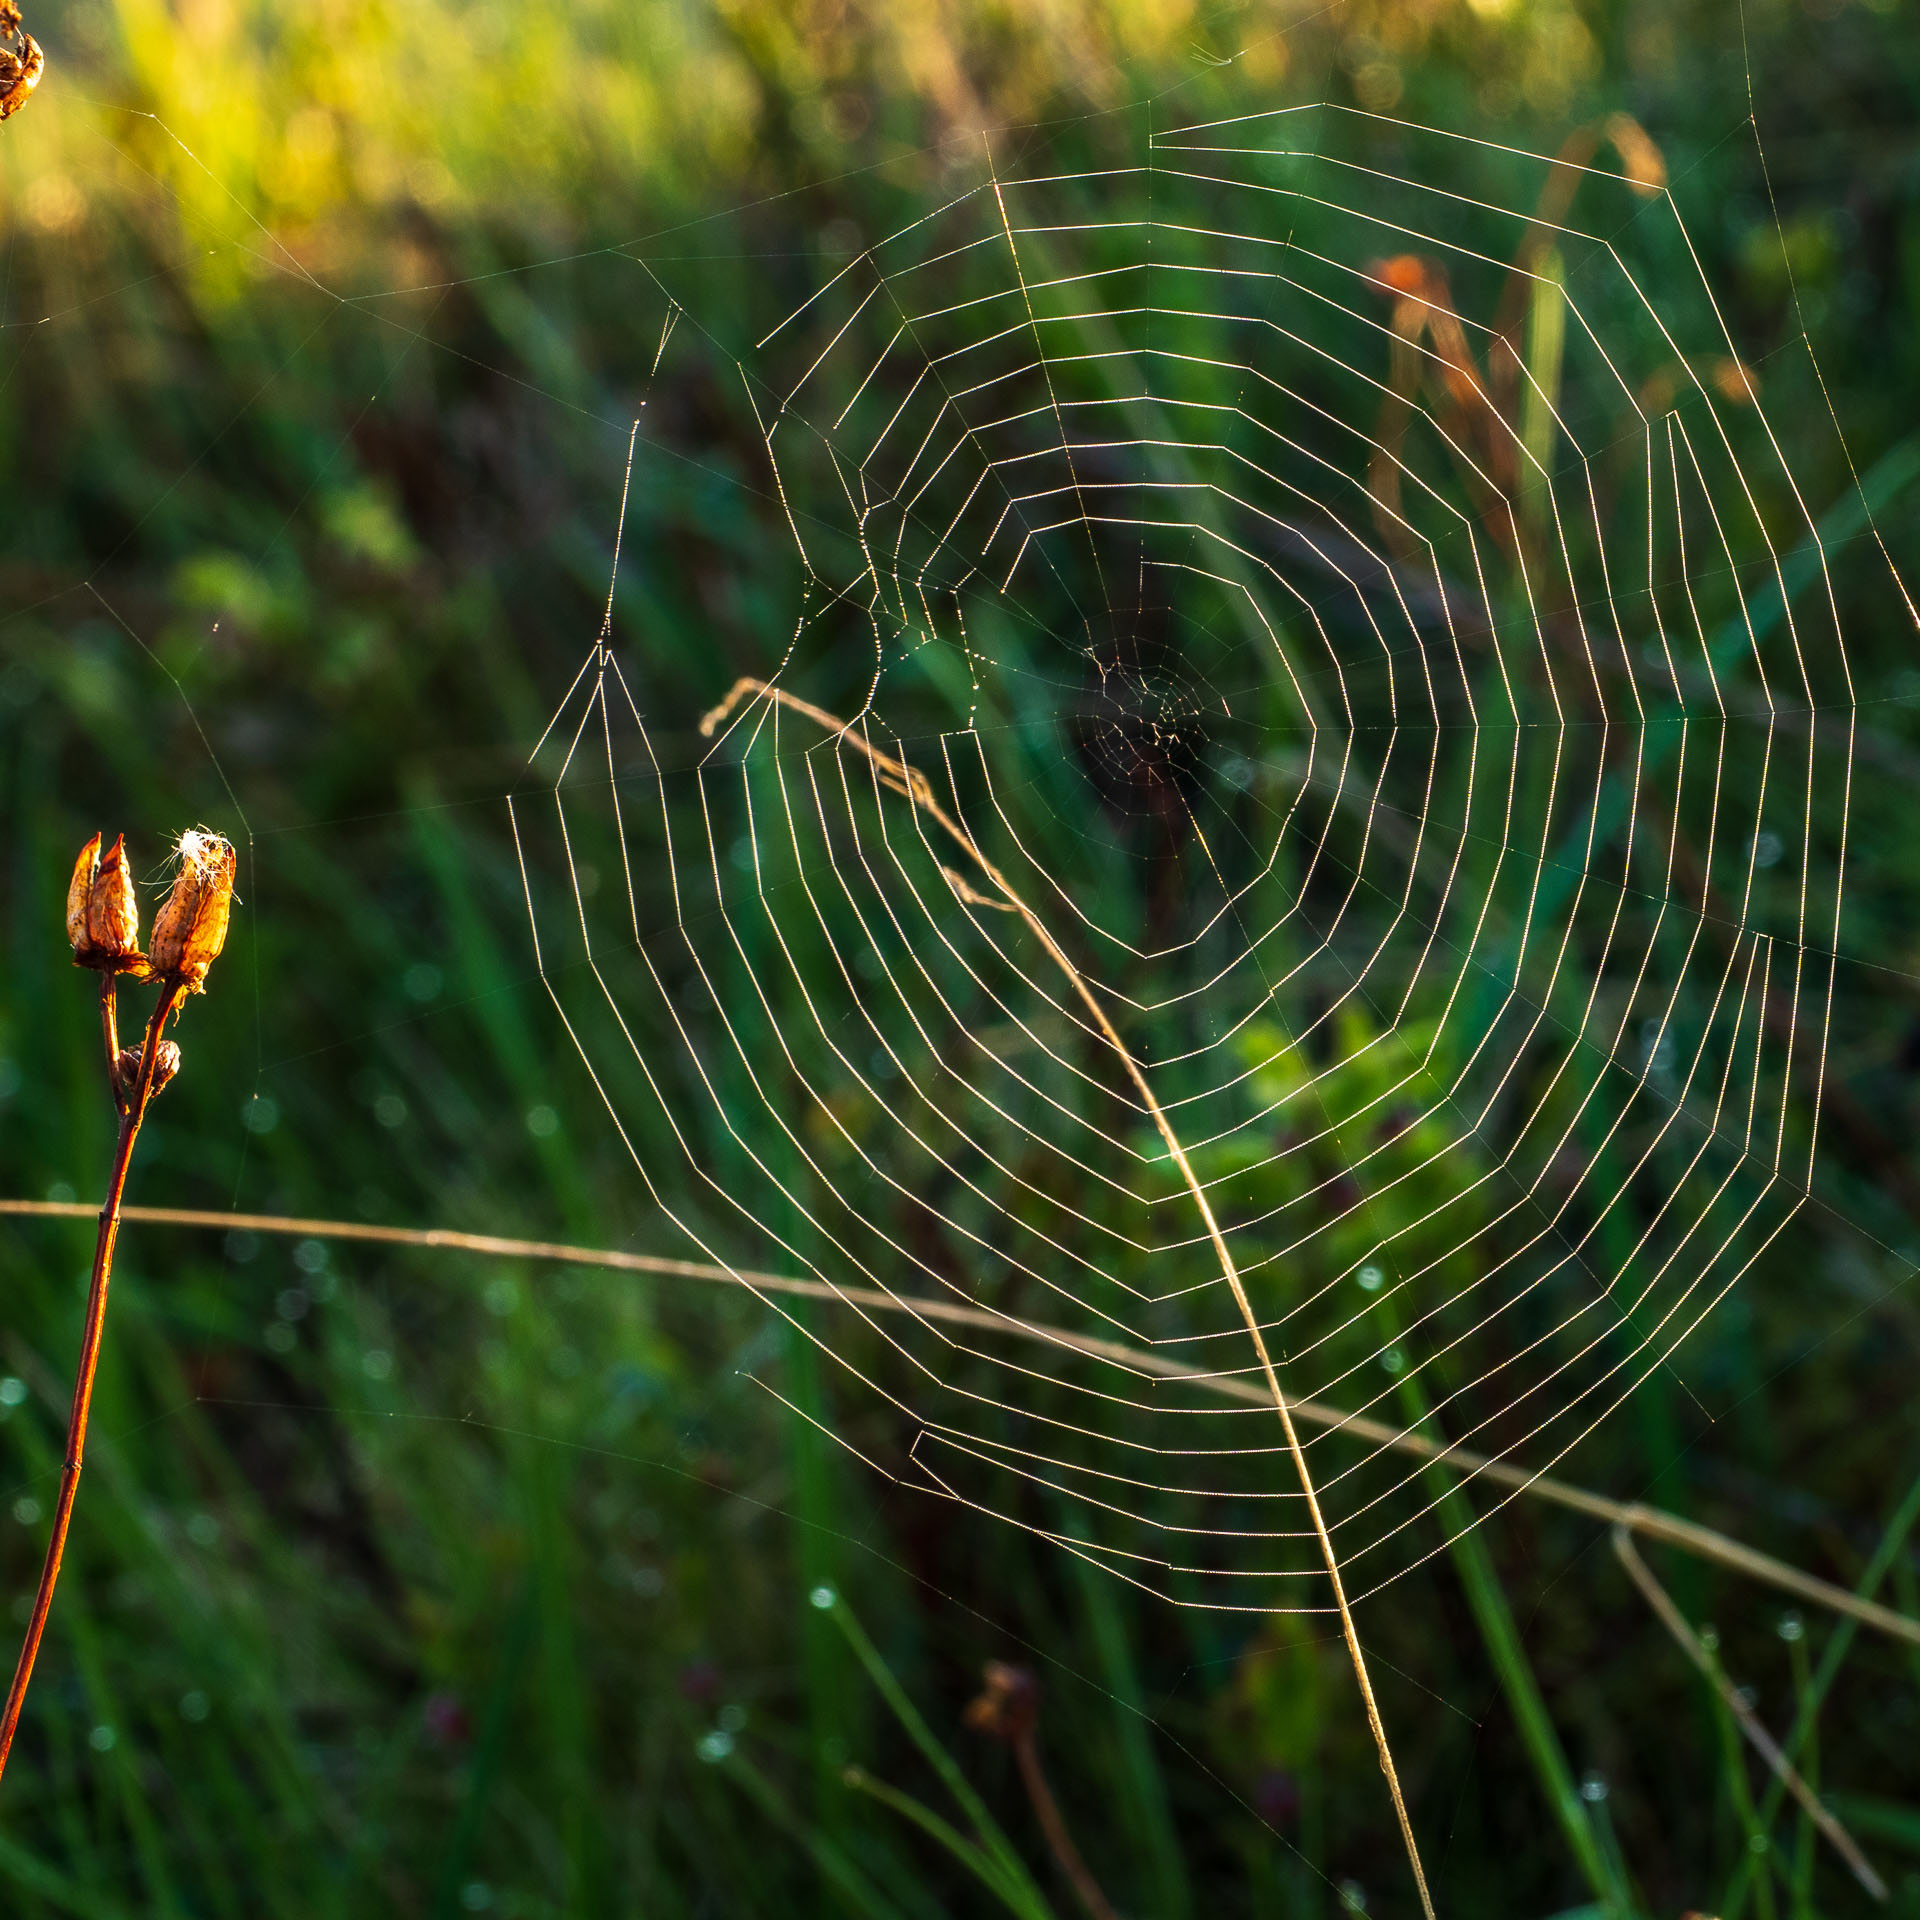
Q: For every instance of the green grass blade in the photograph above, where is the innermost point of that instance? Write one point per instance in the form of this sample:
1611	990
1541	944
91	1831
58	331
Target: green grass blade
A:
994	1840
490	1753
1892	1539
1144	1808
32	1874
1474	1564
1880	1819
1017	1892
836	1868
1518	1682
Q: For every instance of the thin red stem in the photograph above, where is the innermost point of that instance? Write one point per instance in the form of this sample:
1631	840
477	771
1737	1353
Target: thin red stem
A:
132	1110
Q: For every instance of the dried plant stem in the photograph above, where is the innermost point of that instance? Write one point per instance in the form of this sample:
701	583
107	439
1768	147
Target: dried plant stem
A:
908	781
110	1040
1652	1523
131	1105
1763	1743
1046	1810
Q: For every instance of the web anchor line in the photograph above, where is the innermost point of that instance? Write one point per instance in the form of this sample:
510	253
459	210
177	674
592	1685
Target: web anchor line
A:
903	778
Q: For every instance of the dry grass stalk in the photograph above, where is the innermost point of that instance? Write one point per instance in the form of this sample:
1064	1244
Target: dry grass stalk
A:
1763	1743
1651	1523
900	777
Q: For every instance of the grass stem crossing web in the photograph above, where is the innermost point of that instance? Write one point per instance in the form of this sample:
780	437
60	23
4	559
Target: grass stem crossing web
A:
1652	1523
907	780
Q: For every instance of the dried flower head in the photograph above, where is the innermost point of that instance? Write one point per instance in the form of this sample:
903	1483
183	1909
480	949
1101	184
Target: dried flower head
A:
1405	274
103	914
1008	1704
191	927
21	61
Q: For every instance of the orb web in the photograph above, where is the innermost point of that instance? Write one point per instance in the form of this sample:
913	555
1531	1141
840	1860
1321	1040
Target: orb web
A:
1301	819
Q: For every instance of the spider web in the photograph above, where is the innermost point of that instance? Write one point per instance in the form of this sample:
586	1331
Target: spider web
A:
1300	825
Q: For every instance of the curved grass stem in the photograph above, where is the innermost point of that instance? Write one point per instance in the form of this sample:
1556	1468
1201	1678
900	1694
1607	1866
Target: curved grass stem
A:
900	777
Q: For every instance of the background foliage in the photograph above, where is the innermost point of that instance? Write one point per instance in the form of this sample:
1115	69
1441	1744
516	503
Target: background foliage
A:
407	1583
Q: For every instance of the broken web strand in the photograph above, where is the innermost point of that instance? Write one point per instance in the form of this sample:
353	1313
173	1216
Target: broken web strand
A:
918	573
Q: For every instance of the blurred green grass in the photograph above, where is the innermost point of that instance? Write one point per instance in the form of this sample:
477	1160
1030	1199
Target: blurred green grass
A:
406	1584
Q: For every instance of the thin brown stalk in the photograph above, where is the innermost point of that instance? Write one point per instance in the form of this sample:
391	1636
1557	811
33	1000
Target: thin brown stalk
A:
110	1040
1008	1708
1763	1743
131	1104
913	785
1654	1523
1046	1810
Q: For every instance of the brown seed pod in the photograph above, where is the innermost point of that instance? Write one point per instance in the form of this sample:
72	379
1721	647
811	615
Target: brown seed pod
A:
126	1068
1007	1705
21	61
191	927
103	913
78	889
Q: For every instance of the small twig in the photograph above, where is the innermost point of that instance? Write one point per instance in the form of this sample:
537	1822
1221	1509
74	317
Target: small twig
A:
1762	1741
1689	1536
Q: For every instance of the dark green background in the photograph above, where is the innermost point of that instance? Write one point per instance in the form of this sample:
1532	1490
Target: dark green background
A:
408	1582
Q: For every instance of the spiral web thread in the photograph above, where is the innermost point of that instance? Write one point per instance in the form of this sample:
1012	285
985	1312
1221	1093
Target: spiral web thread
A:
1300	826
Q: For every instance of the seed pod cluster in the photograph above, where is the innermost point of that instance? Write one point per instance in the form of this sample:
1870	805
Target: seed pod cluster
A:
103	912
